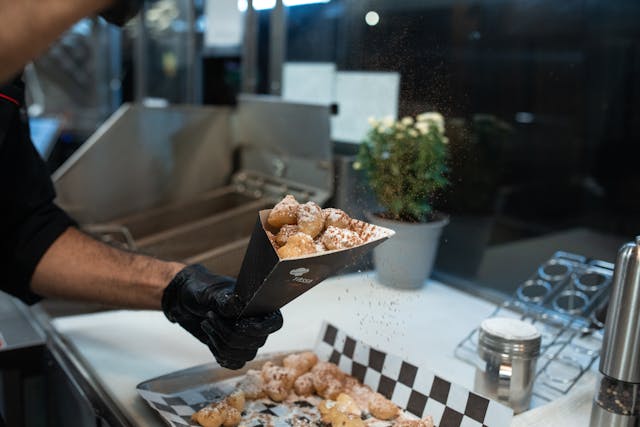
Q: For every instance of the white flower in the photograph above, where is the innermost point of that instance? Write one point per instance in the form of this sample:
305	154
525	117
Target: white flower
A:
414	133
388	121
445	140
399	136
381	129
407	121
372	121
432	117
422	127
400	126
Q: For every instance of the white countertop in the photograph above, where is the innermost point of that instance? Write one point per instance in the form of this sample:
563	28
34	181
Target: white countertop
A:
124	348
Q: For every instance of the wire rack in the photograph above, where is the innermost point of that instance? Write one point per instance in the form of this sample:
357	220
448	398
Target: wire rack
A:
560	298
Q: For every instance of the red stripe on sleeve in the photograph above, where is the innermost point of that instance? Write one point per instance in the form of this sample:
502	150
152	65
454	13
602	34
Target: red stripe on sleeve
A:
10	99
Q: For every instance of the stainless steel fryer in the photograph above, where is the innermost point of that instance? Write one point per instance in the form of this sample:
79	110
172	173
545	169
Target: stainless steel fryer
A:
159	180
211	230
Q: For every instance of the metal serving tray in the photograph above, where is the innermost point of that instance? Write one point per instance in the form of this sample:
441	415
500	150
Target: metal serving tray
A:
205	375
416	389
177	395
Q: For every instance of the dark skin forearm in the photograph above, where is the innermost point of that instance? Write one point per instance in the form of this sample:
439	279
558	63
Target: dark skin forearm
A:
28	27
79	267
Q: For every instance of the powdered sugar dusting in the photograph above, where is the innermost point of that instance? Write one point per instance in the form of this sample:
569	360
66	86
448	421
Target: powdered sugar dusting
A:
340	238
336	217
284	212
285	232
289	203
329	229
309	212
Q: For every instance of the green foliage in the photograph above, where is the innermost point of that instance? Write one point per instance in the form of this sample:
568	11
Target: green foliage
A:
406	164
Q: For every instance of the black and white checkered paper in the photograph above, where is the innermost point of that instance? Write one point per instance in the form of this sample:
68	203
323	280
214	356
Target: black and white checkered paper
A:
176	409
415	389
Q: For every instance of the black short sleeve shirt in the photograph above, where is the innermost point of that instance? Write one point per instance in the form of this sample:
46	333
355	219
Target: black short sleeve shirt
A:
29	219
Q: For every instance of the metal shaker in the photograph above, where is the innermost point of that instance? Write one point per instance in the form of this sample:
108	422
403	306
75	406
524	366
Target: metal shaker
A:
617	399
508	350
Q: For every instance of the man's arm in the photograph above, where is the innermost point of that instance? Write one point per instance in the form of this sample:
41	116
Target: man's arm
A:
79	267
28	27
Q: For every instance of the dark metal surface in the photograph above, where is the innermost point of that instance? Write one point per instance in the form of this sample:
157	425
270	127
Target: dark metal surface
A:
250	50
21	355
277	47
80	375
140	51
193	61
16	327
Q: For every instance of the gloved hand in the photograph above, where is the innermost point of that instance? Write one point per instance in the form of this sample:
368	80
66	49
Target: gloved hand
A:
204	304
121	11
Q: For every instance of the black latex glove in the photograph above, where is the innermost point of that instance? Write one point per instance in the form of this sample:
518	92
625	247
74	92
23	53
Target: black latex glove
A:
121	11
204	304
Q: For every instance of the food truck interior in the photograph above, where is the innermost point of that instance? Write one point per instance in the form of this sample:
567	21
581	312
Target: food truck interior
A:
168	135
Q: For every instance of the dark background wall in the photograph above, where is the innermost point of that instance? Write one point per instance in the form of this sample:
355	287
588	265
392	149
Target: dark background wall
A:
560	82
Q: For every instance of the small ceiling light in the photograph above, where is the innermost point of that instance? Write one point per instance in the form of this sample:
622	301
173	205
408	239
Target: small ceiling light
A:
372	18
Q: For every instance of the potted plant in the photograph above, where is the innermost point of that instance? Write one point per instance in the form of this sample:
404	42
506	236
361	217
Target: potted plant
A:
405	163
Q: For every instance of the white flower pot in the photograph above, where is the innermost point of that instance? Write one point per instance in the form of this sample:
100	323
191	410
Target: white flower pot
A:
406	260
